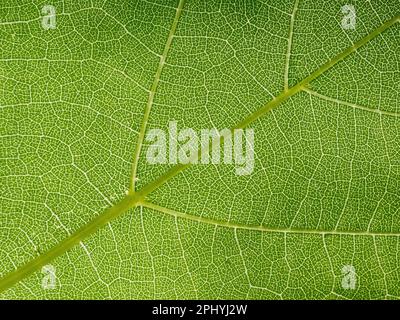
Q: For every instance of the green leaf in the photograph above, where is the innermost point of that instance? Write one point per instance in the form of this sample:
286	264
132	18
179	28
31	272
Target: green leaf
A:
318	218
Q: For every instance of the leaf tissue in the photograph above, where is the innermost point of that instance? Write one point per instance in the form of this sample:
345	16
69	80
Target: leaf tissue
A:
199	149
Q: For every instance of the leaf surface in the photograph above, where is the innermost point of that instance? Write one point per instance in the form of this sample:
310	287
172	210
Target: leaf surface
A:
77	192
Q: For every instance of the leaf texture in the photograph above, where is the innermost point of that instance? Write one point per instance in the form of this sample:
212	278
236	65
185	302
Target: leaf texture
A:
77	192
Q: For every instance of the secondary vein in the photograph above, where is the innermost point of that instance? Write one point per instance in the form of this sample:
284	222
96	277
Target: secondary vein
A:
353	105
152	93
289	47
235	225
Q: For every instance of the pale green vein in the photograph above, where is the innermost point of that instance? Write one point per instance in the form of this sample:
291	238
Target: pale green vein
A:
131	200
289	47
235	225
353	105
151	96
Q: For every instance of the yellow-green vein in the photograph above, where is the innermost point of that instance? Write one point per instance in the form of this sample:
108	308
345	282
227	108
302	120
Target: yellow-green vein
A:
234	225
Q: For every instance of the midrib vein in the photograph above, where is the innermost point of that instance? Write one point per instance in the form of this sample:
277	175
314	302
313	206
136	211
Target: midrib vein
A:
133	199
235	225
152	93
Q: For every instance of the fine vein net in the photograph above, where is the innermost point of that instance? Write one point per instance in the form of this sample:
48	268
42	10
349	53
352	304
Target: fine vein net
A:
132	200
